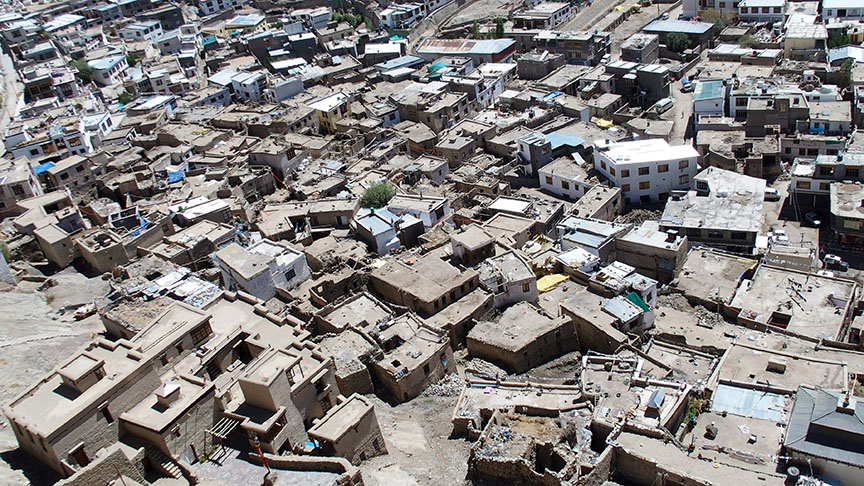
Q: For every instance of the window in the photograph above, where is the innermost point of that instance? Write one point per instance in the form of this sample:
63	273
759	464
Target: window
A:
200	333
625	173
824	186
826	171
64	176
644	170
851	172
722	4
612	170
625	187
18	190
603	165
740	101
802	185
426	369
290	274
565	185
776	9
683	164
684	179
787	150
645	185
663	168
34	151
107	415
526	287
739	235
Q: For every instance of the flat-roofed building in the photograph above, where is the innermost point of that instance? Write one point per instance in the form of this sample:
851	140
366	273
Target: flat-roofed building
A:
647	171
522	338
724	210
350	430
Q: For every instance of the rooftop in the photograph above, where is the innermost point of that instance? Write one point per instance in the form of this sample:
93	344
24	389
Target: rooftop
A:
734	202
342	418
519	326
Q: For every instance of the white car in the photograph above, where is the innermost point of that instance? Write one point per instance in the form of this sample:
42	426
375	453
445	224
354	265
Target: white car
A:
772	194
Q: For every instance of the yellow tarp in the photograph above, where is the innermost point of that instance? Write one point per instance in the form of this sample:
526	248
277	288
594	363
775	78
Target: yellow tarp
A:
549	282
620	8
604	123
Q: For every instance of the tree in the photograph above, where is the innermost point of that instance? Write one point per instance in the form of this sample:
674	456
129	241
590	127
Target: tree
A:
336	17
358	20
475	30
499	28
839	41
85	72
714	17
677	42
132	59
747	40
125	97
378	195
845	74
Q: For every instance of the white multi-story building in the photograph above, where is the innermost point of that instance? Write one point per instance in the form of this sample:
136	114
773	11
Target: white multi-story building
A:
315	18
762	11
646	170
565	178
399	16
108	70
839	10
209	7
249	86
140	31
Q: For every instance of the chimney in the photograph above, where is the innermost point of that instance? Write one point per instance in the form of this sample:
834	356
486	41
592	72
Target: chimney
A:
671	235
167	394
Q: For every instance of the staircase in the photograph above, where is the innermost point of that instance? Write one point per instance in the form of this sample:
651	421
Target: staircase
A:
163	462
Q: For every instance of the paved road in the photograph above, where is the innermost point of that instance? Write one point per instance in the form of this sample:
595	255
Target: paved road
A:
591	14
11	91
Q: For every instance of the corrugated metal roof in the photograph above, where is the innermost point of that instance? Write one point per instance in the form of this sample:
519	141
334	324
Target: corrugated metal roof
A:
683	26
748	403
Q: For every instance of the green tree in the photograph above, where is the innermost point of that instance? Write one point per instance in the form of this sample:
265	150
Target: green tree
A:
125	97
475	30
677	42
845	74
499	28
132	59
336	17
358	20
715	17
85	72
378	195
839	41
747	40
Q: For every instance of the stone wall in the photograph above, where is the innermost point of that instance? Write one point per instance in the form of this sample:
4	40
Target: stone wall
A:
105	469
350	475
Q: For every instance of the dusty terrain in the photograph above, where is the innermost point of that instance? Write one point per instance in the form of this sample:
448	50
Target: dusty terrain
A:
35	336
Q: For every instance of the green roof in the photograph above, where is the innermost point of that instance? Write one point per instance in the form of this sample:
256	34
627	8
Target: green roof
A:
707	90
634	298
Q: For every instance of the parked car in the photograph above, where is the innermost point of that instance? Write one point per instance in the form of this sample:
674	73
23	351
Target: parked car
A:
813	218
772	194
834	262
663	105
665	16
686	85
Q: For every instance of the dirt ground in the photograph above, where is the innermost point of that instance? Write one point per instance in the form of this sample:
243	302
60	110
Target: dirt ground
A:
34	338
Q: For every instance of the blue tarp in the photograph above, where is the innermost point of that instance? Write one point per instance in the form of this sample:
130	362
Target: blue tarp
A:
559	139
175	176
42	167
